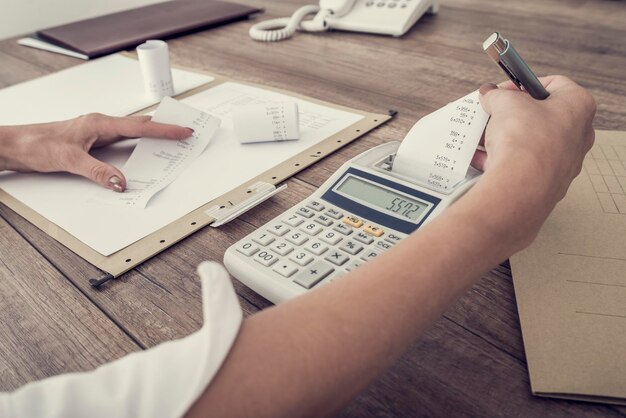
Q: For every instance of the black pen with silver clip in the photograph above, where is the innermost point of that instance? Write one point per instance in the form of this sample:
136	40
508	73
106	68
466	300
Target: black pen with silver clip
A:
502	53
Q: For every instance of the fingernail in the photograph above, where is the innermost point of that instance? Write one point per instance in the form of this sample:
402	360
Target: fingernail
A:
191	130
487	87
116	184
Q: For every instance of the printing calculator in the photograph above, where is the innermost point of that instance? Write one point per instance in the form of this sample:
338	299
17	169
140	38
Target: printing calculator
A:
361	211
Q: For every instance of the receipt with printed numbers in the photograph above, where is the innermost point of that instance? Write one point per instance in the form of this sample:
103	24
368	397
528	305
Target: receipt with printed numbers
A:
438	149
155	163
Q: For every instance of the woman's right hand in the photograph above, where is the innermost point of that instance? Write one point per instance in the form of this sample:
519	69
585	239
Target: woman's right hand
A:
534	149
550	136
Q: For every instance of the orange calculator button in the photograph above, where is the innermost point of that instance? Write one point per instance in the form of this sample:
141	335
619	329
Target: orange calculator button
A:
353	221
373	230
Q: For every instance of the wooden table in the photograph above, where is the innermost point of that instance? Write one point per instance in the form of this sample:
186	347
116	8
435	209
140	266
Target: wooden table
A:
471	362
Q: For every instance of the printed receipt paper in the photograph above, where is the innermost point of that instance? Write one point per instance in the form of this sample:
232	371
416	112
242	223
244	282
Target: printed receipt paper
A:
570	284
438	150
155	163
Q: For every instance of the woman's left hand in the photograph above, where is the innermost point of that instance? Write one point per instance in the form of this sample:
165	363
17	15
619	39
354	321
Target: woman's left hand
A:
64	146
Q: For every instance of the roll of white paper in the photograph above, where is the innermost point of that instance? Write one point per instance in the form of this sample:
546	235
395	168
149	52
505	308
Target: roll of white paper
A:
154	59
264	122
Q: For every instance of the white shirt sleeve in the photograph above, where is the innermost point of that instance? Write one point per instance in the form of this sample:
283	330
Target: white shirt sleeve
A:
163	381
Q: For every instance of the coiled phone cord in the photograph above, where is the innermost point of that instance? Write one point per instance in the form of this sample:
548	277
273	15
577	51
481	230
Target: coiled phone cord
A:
282	28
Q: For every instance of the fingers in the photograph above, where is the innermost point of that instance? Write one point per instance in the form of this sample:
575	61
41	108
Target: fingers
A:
487	94
108	127
479	160
104	174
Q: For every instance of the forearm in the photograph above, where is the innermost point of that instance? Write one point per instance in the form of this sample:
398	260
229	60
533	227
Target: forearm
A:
310	356
9	148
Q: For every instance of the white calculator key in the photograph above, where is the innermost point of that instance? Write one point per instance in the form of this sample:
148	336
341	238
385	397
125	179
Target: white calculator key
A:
331	237
300	257
296	237
343	228
364	238
393	238
263	238
311	228
293	220
382	245
285	268
334	213
316	247
281	247
247	248
369	254
336	257
278	229
324	220
351	247
266	258
315	205
306	212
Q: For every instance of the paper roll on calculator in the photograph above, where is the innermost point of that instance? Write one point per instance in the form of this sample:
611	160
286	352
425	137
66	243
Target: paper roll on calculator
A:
438	150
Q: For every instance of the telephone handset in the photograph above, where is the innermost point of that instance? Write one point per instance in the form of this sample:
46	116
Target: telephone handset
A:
385	17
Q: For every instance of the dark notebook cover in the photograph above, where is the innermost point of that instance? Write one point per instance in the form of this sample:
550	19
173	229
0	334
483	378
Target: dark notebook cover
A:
111	33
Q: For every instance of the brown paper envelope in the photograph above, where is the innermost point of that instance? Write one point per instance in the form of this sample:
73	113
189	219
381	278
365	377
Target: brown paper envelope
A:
570	285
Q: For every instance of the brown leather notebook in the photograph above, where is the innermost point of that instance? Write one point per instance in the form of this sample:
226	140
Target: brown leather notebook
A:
111	33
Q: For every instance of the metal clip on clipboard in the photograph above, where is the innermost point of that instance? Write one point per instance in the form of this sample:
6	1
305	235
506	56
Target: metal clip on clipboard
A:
260	192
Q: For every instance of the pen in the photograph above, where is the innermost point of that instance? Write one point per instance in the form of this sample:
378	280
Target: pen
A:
502	53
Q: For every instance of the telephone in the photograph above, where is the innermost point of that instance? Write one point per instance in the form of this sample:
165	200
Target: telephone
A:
385	17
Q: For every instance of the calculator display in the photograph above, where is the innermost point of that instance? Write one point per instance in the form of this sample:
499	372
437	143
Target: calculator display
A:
384	199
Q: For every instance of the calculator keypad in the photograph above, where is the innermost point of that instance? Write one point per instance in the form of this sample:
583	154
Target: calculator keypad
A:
316	242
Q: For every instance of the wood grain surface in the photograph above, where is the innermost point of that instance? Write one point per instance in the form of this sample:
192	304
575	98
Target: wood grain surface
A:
471	362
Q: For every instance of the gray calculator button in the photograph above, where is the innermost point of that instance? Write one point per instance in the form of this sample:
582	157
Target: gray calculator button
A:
368	255
364	238
306	212
343	228
351	247
293	220
247	248
281	247
315	205
334	213
266	258
278	229
285	268
391	5
393	238
354	264
313	274
336	257
324	220
382	245
263	238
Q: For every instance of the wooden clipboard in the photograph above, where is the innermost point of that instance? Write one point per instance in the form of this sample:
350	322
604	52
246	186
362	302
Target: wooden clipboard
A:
120	262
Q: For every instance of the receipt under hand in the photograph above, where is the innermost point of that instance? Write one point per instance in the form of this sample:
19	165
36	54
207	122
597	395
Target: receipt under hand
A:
439	148
155	163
